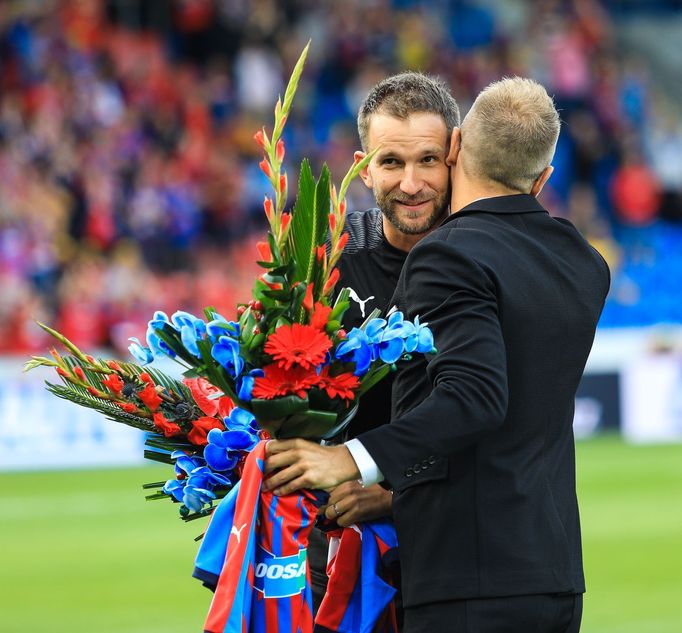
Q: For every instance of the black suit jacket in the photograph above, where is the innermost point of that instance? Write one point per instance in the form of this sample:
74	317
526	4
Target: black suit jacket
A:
480	453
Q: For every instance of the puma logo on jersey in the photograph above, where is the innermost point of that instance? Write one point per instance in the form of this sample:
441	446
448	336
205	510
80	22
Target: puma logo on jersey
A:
361	302
237	532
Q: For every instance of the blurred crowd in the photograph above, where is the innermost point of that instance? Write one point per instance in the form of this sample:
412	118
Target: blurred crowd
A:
129	178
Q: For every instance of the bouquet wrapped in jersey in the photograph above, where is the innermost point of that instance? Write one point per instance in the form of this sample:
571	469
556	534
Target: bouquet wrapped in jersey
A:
281	367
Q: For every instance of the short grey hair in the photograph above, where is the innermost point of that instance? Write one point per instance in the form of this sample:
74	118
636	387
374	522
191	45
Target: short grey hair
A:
510	133
404	94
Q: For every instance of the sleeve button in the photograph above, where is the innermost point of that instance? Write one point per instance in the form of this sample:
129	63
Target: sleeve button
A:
409	473
432	460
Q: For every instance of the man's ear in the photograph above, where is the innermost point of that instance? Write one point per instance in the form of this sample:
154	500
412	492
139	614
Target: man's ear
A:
364	172
540	181
455	146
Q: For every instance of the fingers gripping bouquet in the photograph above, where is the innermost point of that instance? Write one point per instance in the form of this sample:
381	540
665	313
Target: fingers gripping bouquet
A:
282	367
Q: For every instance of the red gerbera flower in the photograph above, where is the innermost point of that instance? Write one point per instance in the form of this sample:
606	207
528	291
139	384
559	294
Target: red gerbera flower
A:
168	428
278	381
342	385
200	429
298	344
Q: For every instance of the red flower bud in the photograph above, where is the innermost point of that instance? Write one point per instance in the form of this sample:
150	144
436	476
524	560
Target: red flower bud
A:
264	251
341	244
114	365
267	205
256	330
258	305
265	166
90	359
308	299
283	183
62	372
145	377
259	137
241	310
320	253
342	207
286	218
341	334
332	222
128	407
79	372
331	282
279	151
94	392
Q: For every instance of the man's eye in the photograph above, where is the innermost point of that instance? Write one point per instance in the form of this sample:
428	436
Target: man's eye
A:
389	162
430	159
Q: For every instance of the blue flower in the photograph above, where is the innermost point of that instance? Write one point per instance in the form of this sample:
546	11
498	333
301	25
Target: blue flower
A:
191	330
245	384
418	337
198	491
157	346
390	346
220	326
225	447
226	352
357	349
139	352
184	465
241	420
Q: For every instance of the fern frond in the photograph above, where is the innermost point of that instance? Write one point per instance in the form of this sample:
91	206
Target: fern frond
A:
78	395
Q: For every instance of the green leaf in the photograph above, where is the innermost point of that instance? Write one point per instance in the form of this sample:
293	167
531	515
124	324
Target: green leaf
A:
170	336
372	315
309	221
373	377
278	408
316	425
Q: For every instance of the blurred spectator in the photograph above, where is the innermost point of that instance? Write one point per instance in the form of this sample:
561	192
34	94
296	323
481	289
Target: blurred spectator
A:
129	178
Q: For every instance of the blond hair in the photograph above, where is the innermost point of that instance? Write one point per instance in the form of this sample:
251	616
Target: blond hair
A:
510	133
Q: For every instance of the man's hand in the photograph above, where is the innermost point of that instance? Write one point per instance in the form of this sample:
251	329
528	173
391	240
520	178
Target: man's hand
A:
351	503
303	464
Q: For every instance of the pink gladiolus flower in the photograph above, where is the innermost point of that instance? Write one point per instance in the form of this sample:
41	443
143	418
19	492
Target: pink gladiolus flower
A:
259	137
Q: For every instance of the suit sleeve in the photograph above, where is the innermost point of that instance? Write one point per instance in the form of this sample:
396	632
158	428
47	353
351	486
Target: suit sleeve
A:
468	374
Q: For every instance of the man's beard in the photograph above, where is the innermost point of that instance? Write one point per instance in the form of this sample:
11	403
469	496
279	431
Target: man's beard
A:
385	202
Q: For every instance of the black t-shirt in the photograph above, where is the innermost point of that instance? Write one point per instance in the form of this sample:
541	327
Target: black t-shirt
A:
369	266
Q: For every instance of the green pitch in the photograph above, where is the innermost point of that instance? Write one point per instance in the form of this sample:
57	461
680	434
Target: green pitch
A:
83	552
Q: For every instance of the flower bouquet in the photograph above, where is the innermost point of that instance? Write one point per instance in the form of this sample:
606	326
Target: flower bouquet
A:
283	367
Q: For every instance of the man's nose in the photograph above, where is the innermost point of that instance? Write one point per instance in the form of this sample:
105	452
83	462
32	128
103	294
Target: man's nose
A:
411	183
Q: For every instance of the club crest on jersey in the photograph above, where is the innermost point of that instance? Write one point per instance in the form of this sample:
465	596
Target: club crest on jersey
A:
279	576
